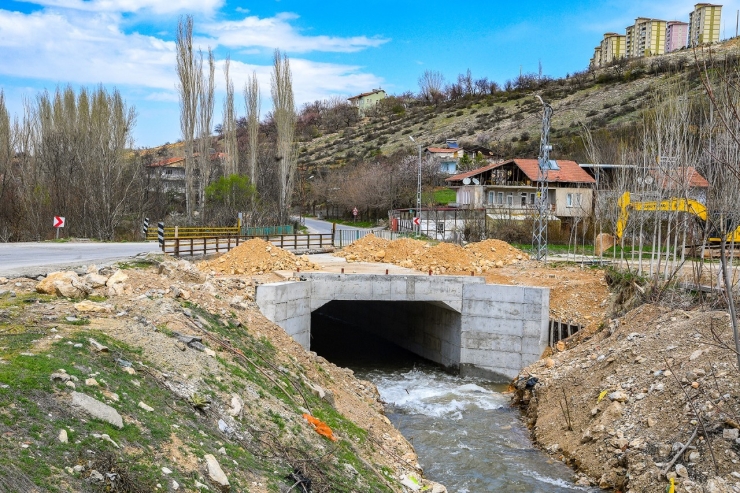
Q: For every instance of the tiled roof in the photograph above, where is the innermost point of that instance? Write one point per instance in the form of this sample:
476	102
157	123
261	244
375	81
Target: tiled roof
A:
167	162
374	91
443	149
679	177
569	171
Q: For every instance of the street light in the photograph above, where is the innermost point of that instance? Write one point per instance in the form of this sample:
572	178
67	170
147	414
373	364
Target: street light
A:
418	189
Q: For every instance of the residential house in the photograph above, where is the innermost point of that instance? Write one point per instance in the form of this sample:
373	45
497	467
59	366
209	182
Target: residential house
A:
171	172
704	24
447	157
367	100
511	187
676	34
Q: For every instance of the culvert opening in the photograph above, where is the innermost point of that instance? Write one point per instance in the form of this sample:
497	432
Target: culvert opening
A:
367	334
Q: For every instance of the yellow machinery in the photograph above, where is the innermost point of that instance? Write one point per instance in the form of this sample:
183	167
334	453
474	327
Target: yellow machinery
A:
690	206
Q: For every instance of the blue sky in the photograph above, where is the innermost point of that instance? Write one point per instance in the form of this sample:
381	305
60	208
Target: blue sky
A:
336	48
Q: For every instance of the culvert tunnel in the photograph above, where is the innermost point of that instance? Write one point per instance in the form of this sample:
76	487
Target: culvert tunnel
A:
459	322
351	333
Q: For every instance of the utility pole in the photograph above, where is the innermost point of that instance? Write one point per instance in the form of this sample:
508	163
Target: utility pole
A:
418	191
539	232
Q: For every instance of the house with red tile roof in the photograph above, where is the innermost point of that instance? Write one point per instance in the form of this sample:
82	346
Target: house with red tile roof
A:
511	187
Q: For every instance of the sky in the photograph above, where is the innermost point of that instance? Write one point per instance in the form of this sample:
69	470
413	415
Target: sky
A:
336	48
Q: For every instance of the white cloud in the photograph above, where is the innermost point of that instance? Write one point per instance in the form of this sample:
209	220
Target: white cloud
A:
277	32
156	6
85	49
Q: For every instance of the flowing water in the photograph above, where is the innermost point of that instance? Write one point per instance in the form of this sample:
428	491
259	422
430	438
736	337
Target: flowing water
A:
466	435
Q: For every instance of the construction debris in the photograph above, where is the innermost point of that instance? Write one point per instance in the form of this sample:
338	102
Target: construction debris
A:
256	256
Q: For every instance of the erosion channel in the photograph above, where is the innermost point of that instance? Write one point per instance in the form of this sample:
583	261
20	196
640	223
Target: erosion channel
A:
466	435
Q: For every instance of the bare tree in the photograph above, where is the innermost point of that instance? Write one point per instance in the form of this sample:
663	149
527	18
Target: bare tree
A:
252	103
431	85
229	125
188	72
285	119
203	127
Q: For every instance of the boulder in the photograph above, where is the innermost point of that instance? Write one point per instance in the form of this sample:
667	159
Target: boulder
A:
91	306
47	285
215	473
97	409
95	280
118	277
74	289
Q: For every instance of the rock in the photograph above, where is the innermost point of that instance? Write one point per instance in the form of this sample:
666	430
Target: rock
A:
166	470
63	377
70	384
78	468
91	382
200	485
717	485
695	354
97	409
681	471
411	483
587	436
549	362
47	285
69	290
604	242
97	346
145	407
215	473
437	488
560	346
222	451
618	396
350	469
108	439
651	422
63	436
129	370
118	277
694	385
210	352
730	433
111	395
694	456
95	280
179	345
96	477
175	485
237	404
91	306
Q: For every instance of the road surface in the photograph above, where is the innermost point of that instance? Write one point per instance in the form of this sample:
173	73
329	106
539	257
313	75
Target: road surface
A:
34	259
319	226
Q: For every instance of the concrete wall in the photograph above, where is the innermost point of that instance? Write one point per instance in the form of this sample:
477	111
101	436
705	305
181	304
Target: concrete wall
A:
460	322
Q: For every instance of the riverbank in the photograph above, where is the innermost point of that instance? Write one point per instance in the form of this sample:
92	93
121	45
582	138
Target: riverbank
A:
650	398
167	378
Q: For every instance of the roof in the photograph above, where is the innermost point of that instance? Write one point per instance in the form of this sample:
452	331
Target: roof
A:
374	91
569	171
443	149
678	177
167	162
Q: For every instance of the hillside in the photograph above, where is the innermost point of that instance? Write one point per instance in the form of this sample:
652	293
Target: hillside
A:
508	121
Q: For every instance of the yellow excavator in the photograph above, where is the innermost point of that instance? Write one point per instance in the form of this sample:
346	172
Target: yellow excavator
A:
690	206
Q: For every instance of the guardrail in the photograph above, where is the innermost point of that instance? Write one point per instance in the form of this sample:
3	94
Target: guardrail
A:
201	232
220	244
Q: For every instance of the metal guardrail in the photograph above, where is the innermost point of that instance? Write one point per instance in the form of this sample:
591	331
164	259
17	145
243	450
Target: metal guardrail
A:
220	244
200	232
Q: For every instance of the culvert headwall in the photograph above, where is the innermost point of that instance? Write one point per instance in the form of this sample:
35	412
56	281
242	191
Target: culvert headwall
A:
460	322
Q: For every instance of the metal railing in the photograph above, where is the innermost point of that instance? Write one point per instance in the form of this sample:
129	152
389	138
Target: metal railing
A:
220	244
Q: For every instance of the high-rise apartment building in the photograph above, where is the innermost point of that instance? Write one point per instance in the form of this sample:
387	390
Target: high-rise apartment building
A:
676	33
704	24
596	60
645	38
612	47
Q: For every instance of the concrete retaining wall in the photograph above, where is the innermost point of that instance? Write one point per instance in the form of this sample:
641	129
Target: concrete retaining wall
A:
458	321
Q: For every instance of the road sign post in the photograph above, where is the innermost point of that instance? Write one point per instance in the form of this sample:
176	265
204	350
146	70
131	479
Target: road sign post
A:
58	223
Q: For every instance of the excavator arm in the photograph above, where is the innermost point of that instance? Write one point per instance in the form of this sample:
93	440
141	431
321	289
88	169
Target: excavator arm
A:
625	203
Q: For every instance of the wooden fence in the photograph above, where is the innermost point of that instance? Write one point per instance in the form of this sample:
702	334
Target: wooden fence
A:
219	244
178	232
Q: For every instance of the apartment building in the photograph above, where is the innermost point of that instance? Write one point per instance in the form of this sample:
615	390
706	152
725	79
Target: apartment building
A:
676	34
596	60
704	24
645	38
612	47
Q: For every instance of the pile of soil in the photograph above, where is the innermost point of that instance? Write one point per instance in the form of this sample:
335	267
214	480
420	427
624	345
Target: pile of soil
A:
621	406
256	256
443	258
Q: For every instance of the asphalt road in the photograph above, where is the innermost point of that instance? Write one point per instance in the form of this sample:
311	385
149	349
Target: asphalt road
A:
318	226
34	259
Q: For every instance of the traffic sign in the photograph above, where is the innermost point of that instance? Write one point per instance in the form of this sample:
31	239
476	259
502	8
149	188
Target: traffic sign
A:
417	221
355	211
58	222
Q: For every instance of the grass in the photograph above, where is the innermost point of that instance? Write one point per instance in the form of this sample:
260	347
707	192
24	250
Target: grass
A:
441	196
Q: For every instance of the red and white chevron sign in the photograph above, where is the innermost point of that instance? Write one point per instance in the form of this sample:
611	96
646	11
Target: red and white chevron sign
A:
58	222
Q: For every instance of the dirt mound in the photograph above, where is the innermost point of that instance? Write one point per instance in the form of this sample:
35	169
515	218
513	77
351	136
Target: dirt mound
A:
255	257
441	258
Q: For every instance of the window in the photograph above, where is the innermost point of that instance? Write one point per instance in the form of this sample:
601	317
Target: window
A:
491	197
509	199
441	228
168	172
578	200
531	198
569	200
500	198
523	199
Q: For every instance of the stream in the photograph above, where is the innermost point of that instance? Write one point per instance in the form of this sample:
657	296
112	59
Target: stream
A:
466	435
